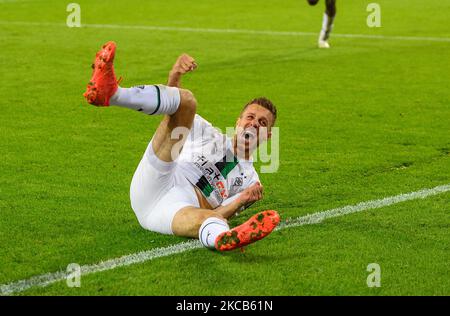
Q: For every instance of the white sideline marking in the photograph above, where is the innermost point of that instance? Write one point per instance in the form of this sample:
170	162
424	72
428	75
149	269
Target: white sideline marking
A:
49	278
231	31
316	218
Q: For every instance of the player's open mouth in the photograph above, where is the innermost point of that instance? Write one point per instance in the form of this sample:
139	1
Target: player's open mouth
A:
249	135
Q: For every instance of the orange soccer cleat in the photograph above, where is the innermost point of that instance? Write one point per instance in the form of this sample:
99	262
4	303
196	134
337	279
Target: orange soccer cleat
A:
256	228
103	83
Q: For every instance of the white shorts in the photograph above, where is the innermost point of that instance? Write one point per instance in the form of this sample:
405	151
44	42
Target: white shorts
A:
158	192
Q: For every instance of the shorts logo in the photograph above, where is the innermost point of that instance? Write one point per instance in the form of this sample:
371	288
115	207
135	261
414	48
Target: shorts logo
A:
238	182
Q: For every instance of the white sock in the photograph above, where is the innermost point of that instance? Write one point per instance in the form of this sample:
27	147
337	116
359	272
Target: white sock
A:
210	229
327	26
150	99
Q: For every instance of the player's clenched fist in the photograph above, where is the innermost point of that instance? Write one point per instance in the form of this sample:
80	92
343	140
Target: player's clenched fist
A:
250	195
184	64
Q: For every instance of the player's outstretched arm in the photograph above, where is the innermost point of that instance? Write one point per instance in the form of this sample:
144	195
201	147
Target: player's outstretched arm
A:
183	65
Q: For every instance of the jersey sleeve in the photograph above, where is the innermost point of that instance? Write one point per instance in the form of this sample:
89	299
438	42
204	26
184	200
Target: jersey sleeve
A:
200	127
253	179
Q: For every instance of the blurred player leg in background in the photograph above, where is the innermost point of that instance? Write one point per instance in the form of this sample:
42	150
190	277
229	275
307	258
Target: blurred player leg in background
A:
327	22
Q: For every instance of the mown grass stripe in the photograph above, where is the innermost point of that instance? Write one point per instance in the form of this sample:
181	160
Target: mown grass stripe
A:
232	31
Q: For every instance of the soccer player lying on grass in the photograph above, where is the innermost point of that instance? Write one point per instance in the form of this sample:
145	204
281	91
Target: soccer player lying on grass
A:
327	21
191	178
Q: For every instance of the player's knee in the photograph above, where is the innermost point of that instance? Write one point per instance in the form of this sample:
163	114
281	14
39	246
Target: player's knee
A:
188	101
313	2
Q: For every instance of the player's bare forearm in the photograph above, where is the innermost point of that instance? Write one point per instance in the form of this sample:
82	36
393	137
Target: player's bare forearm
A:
244	200
183	65
174	79
229	210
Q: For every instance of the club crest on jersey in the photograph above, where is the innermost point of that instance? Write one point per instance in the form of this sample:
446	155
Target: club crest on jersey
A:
238	182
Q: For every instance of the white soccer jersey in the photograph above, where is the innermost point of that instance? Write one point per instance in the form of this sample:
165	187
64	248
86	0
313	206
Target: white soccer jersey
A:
207	161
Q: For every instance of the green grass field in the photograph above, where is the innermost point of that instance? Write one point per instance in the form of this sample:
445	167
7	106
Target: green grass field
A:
366	119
